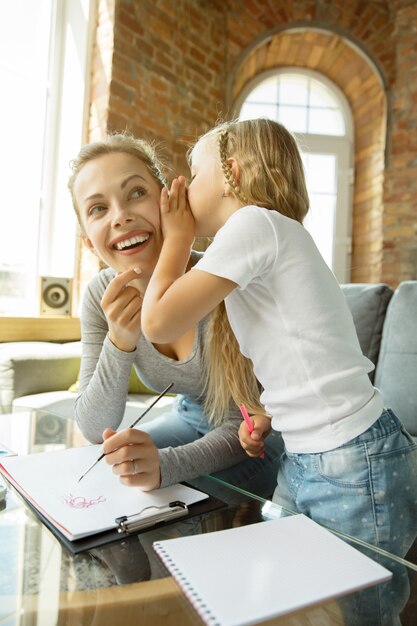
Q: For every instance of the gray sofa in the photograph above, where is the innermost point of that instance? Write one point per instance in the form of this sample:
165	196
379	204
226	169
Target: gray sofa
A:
386	323
38	374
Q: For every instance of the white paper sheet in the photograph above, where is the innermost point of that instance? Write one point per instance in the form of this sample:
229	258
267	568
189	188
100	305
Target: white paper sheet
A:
49	480
249	574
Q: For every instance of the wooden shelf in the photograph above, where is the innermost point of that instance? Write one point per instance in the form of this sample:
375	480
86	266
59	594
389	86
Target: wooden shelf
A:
39	329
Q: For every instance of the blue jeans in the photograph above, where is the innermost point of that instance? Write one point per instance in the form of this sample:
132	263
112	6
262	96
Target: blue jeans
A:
186	422
366	488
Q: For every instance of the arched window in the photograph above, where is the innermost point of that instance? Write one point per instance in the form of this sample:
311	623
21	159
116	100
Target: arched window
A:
316	111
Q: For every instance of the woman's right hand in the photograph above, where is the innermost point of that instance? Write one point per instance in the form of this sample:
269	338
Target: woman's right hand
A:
134	457
122	305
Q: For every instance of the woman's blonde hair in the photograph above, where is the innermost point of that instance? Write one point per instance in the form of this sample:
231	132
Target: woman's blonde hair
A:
271	175
117	142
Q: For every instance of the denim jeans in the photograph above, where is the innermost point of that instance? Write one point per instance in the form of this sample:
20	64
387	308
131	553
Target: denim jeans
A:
366	488
186	422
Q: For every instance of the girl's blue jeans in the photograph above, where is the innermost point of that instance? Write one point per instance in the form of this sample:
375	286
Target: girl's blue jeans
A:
366	488
186	422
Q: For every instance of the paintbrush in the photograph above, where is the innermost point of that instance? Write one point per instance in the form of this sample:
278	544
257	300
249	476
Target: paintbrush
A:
131	426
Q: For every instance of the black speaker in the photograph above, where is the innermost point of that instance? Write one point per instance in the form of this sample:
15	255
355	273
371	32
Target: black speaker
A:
55	296
48	429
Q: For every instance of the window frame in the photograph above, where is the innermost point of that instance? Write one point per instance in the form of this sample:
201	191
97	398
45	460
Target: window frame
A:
305	72
342	235
66	15
341	146
65	18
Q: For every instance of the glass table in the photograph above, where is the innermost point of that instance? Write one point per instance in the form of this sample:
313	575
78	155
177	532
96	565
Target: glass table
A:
124	582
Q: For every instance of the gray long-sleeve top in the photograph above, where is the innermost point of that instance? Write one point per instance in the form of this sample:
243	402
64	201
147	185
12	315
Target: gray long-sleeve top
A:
104	378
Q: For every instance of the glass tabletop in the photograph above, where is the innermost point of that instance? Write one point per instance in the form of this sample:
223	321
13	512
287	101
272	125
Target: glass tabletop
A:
124	582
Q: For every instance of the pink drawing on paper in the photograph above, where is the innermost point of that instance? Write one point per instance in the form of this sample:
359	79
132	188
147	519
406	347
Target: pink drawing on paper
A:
80	502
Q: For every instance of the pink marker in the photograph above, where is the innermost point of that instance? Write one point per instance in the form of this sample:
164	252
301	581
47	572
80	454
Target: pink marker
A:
248	422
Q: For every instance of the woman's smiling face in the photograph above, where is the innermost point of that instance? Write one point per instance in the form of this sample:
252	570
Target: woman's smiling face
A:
118	203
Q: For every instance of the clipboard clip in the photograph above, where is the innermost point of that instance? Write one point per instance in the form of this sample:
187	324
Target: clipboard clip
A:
145	518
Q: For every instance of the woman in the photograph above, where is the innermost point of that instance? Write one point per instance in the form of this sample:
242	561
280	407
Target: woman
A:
115	187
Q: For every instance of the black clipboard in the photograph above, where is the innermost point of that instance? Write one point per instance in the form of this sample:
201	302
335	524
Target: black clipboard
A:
162	517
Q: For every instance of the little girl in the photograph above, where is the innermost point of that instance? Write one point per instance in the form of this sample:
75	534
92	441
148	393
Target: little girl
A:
348	464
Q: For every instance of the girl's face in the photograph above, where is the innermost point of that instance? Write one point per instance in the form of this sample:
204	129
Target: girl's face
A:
118	202
206	188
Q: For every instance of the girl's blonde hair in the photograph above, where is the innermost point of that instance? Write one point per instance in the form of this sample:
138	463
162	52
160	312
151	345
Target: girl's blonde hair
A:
271	175
117	142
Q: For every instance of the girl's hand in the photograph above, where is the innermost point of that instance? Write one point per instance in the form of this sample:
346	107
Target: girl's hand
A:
253	443
121	304
134	458
176	217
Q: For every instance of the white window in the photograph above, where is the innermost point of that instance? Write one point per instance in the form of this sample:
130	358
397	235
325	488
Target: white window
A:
44	58
319	116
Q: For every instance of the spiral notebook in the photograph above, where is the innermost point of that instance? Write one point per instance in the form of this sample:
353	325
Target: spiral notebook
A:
249	574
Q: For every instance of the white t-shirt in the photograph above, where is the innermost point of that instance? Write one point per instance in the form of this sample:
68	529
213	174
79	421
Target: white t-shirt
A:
291	319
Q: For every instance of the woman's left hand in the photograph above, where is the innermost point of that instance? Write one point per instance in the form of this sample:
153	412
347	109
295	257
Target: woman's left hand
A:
134	458
176	217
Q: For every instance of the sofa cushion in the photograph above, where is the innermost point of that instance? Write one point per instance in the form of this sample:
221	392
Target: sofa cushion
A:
28	367
62	403
368	305
396	374
136	386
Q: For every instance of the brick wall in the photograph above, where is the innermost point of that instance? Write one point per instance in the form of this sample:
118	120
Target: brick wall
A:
330	55
167	75
168	70
400	181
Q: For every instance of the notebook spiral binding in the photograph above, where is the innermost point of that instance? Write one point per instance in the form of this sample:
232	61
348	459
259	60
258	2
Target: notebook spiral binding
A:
188	589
